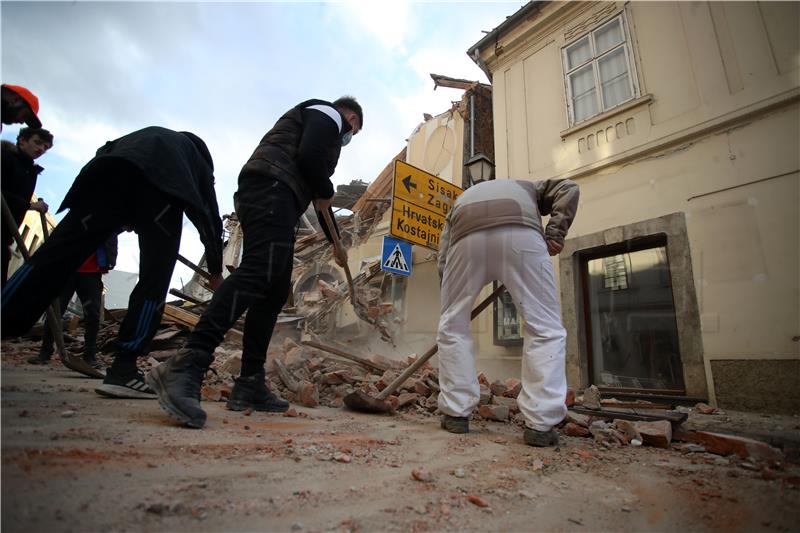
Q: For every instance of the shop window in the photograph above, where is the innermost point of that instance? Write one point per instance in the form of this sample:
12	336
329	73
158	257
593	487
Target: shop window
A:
507	329
598	71
629	311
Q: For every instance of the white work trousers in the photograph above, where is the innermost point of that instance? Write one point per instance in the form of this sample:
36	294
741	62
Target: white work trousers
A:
517	256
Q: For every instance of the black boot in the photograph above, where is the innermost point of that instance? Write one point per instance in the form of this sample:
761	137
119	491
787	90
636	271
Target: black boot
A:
251	392
177	383
41	359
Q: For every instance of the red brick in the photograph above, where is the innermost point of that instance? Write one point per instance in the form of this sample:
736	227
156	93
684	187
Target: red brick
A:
483	380
494	412
574	430
513	388
723	444
569	401
407	398
307	394
658	433
421	388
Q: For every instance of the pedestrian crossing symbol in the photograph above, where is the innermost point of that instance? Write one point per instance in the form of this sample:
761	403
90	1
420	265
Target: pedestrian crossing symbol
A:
396	256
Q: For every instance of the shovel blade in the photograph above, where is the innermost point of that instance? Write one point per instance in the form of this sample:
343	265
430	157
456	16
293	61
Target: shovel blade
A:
82	367
361	401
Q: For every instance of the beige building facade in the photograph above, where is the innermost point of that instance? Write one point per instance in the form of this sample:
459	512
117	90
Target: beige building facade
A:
680	122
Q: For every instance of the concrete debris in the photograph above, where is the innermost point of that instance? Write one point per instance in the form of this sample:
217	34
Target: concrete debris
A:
591	398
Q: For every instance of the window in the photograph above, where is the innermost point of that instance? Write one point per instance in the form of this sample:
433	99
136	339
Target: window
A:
506	322
598	71
631	330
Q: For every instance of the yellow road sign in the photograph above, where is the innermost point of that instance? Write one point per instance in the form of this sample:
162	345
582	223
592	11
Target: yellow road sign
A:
420	203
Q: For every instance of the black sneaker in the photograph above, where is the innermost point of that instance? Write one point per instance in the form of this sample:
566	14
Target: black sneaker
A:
39	360
455	424
129	385
177	383
540	438
251	392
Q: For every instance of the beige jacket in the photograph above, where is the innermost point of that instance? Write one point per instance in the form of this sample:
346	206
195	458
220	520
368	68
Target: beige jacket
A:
511	202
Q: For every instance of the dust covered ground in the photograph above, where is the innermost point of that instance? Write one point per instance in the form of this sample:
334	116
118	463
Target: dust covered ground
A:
74	461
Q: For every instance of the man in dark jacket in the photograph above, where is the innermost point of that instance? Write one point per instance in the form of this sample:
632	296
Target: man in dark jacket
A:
19	181
147	179
291	166
88	284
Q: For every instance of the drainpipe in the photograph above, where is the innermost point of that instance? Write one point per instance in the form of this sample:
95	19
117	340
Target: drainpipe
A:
471	125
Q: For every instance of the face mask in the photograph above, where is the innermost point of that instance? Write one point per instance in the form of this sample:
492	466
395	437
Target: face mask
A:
346	138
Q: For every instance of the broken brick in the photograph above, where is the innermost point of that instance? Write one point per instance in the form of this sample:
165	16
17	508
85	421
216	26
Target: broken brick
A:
232	366
574	430
307	394
704	408
513	388
483	380
477	500
421	474
485	395
577	418
628	430
498	388
591	398
569	401
657	433
421	388
511	403
722	444
494	412
385	379
407	398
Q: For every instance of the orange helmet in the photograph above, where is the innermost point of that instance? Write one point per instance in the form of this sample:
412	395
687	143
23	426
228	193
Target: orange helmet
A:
33	103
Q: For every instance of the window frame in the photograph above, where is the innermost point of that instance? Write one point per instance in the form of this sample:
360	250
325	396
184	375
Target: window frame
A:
629	246
594	60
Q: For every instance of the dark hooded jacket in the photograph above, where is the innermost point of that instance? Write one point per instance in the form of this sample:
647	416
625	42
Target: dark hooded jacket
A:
176	163
301	150
19	175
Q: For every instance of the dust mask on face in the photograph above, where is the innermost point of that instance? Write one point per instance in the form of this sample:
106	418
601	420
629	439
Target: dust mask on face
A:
346	138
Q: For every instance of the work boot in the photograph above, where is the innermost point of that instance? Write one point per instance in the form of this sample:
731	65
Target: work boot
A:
455	424
540	438
251	392
177	383
41	359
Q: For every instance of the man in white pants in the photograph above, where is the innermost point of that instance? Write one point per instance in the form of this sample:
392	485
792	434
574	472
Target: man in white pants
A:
494	232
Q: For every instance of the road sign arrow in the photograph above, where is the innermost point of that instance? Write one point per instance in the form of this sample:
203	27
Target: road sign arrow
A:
409	184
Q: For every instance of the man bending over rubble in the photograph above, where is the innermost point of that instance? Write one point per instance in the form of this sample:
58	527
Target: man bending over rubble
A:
147	179
291	166
494	232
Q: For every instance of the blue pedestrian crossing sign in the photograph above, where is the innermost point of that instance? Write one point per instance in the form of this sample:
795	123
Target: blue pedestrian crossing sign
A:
396	256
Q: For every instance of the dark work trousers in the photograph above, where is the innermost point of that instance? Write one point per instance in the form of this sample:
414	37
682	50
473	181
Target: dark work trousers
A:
89	286
268	212
116	195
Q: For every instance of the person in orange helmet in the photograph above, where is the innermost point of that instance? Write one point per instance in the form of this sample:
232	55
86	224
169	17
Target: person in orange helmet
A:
19	105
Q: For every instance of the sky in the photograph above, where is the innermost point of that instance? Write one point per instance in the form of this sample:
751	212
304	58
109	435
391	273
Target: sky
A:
227	71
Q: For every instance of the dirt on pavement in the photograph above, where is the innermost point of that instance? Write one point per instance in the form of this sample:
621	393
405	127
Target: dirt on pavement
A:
75	461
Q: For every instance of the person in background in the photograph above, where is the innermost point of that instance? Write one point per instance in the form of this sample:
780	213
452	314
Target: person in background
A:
19	105
88	284
19	176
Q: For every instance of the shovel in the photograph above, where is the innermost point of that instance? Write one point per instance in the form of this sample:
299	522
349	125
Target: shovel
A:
53	318
360	401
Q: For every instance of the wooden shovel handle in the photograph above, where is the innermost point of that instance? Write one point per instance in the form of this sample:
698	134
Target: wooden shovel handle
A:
433	349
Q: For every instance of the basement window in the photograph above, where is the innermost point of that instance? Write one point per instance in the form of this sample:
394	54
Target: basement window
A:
598	71
629	312
507	330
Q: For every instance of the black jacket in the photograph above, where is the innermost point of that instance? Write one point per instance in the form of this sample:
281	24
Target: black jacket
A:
19	175
176	163
301	150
